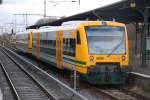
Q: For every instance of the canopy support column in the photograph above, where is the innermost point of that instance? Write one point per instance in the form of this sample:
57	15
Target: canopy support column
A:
145	30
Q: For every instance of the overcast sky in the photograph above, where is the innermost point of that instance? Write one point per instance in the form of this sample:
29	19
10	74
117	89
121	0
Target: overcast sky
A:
10	7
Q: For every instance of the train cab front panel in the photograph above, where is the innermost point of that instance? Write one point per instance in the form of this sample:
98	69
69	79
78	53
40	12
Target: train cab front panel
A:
104	50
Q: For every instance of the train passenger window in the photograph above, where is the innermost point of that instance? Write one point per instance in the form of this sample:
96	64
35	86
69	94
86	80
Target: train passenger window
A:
34	42
64	43
69	46
68	43
78	38
54	43
72	43
48	44
48	50
43	43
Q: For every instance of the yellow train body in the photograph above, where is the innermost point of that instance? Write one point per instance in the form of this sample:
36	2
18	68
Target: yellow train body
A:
67	46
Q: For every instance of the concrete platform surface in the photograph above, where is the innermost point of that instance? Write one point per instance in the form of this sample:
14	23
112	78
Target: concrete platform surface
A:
1	96
135	66
141	75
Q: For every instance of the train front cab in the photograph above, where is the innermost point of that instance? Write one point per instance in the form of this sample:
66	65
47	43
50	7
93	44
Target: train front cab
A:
108	62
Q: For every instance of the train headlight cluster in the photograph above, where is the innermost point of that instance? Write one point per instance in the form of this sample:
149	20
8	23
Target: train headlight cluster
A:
123	58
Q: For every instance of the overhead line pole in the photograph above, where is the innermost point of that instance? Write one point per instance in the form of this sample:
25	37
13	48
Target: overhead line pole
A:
26	18
1	27
44	8
15	23
45	3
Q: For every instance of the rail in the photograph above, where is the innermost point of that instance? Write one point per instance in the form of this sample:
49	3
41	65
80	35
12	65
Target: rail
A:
72	91
50	96
10	82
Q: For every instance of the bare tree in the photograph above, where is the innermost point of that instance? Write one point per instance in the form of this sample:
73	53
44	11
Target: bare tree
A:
45	20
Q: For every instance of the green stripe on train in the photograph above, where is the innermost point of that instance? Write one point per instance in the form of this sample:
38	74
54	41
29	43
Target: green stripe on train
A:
75	61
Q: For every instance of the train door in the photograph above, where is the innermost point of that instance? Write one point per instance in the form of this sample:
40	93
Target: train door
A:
29	42
38	45
59	49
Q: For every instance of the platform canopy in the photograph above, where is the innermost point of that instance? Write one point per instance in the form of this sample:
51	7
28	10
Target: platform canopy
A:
125	11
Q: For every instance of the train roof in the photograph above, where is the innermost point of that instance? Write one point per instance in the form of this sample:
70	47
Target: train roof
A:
46	29
69	25
72	23
76	23
25	32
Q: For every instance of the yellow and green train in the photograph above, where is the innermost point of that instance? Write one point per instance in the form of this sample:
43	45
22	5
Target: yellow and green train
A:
97	50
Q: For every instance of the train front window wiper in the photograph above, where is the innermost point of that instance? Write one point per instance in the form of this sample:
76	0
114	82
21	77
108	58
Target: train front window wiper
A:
117	46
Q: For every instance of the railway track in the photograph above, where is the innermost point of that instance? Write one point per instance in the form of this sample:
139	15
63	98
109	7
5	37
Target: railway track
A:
23	85
94	93
7	92
33	84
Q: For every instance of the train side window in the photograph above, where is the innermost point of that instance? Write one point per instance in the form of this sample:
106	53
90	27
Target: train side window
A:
69	46
54	43
48	43
64	43
72	43
72	47
78	38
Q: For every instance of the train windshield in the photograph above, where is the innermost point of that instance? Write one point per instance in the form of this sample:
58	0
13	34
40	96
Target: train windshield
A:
105	39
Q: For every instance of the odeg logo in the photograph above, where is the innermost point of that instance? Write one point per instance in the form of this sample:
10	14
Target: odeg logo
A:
91	58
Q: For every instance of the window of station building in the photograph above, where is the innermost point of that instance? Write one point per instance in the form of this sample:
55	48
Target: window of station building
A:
69	46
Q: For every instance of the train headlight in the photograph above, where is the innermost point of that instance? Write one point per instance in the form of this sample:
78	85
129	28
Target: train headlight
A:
123	58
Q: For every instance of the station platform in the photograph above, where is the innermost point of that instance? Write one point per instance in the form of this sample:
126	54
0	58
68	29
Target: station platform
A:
135	66
142	70
1	96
